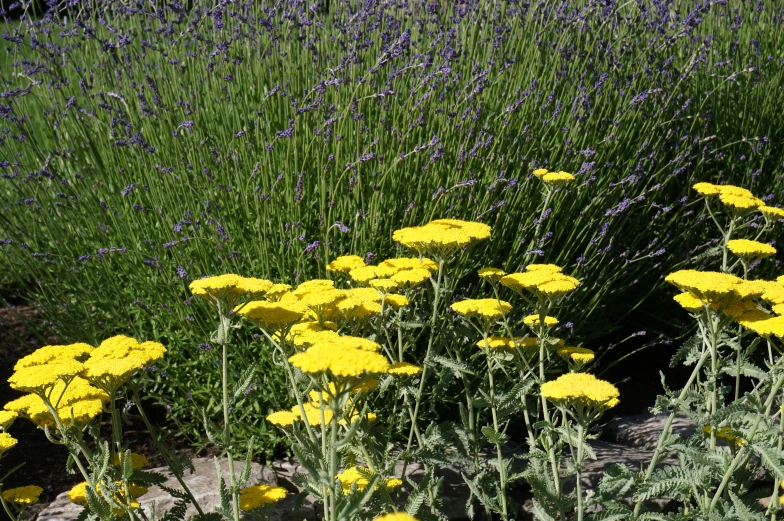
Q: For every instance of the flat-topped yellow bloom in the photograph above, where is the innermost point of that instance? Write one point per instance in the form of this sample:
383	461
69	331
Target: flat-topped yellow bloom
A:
361	477
383	285
218	286
411	278
766	327
557	179
491	275
442	237
79	401
706	189
487	308
257	496
505	342
363	274
533	321
39	378
583	389
706	285
309	333
346	263
772	212
747	249
540	172
548	268
394	300
313	413
117	358
7	419
277	291
740	205
274	316
44	355
389	267
282	418
138	461
544	280
78	495
404	369
396	516
576	354
689	302
339	362
7	442
25	496
351	342
725	433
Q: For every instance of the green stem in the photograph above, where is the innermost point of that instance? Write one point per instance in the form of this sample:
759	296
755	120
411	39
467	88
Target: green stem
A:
235	499
579	467
724	247
333	465
499	455
668	426
7	508
164	452
773	506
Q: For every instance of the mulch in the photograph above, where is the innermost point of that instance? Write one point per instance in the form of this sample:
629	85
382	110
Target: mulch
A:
43	463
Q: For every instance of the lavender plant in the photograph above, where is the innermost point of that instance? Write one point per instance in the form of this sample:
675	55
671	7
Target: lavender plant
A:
169	142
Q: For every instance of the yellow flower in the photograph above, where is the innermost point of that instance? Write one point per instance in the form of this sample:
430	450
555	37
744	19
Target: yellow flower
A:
340	362
364	274
312	414
39	378
689	302
505	342
277	291
544	280
137	460
740	205
7	419
46	354
219	286
747	249
23	495
282	418
253	288
771	212
117	358
362	478
351	342
383	285
7	442
492	275
540	172
274	316
583	389
442	237
346	263
576	354
549	268
404	369
411	278
557	178
79	398
309	333
710	286
773	326
389	267
725	433
487	308
706	189
533	321
396	301
260	495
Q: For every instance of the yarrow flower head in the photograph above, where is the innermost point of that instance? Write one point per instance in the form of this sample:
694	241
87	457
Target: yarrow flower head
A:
581	389
576	356
712	287
541	279
117	359
258	496
404	369
533	321
557	179
485	308
361	478
7	442
25	496
77	403
492	275
442	238
750	250
274	316
398	516
346	263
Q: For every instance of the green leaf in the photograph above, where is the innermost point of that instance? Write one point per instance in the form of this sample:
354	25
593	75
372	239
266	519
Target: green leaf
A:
456	367
771	459
244	382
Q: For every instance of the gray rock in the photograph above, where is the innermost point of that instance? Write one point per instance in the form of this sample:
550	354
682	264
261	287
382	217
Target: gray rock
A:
642	430
203	484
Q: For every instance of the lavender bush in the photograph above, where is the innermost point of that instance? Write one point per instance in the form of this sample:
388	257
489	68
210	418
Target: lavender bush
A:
145	145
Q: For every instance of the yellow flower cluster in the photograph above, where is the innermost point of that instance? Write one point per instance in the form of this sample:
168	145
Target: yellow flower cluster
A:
260	495
339	360
396	516
7	419
39	378
230	288
533	321
486	308
404	369
505	342
541	279
748	250
78	496
557	179
712	287
442	237
78	403
47	354
117	359
306	334
23	495
492	275
346	263
7	442
274	316
580	355
394	273
738	200
137	460
582	389
362	478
